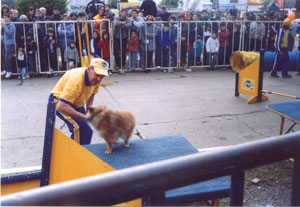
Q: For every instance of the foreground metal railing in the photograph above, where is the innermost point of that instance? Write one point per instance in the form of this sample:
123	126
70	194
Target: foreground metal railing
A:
146	180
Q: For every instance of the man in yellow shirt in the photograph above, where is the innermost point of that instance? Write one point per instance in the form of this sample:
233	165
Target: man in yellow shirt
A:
282	53
74	90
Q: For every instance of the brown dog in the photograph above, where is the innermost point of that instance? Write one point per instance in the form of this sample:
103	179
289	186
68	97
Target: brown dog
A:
112	125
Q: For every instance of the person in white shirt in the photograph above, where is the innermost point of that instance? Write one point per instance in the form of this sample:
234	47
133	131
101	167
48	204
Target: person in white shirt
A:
212	48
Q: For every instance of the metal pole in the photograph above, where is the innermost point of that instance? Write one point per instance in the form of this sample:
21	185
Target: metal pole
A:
50	123
295	201
237	189
260	75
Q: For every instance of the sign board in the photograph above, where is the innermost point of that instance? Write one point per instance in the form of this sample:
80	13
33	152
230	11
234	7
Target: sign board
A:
255	2
131	5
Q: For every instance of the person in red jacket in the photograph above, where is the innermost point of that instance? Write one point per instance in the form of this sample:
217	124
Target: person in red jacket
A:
104	46
133	47
223	57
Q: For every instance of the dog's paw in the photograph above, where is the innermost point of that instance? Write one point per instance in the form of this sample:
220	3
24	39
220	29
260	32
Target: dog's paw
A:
107	152
126	145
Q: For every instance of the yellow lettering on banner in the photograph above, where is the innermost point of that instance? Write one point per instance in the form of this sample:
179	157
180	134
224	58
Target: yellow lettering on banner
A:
255	2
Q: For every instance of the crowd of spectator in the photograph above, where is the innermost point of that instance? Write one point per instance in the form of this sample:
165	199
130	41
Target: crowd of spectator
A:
153	38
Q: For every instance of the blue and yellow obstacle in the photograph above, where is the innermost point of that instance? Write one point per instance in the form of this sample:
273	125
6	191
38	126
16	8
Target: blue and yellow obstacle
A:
249	68
65	160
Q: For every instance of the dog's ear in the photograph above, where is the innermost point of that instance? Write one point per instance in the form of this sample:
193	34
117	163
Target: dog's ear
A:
90	109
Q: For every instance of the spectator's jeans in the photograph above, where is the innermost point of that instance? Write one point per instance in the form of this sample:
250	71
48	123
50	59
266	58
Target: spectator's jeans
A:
31	63
53	60
107	60
166	55
298	62
120	52
246	45
22	71
43	59
9	51
255	44
158	56
2	57
281	61
213	59
223	54
142	54
149	59
132	60
174	54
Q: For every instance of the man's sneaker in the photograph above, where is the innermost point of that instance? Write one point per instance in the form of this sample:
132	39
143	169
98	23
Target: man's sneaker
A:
188	70
8	74
165	70
297	73
287	76
109	72
3	72
275	76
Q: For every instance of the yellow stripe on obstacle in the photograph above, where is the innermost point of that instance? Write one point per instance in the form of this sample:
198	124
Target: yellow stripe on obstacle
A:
70	161
280	94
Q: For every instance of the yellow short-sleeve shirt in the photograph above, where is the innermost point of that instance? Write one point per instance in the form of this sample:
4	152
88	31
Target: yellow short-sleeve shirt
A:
74	88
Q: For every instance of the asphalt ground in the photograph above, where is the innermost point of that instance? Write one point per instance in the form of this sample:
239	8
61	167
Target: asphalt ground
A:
200	106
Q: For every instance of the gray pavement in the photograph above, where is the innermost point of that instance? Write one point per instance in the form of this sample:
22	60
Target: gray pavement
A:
199	105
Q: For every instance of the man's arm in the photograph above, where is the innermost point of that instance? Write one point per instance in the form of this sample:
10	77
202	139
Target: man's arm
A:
69	111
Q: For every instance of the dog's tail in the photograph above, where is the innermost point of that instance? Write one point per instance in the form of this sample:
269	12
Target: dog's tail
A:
137	133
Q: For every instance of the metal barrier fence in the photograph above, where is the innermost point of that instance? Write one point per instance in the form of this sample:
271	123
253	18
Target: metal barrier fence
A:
177	44
135	182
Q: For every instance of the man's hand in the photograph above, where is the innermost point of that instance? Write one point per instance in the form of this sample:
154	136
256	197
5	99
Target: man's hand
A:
280	53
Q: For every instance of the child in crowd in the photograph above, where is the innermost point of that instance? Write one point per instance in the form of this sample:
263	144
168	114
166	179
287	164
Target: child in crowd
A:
207	35
21	62
185	48
31	48
224	33
50	44
165	41
133	47
71	56
103	45
197	50
212	48
141	13
109	14
93	44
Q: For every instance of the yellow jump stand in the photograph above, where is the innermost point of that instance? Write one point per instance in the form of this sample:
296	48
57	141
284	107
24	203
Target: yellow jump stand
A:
249	81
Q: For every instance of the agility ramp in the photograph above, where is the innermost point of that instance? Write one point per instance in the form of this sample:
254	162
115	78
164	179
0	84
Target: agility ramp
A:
65	160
